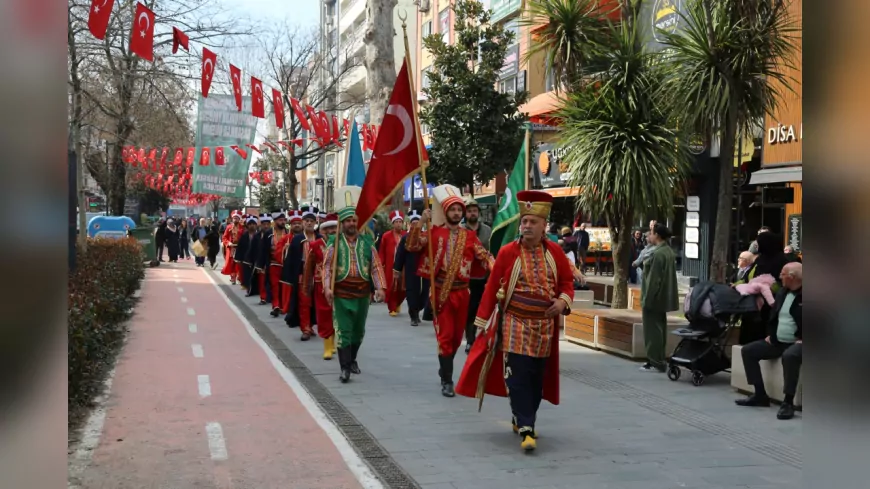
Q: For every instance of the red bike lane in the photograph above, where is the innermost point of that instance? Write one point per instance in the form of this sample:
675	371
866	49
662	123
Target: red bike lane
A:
196	402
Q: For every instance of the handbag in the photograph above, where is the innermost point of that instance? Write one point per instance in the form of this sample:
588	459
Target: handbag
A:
198	249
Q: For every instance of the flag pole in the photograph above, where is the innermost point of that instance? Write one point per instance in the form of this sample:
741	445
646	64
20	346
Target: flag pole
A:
527	151
403	16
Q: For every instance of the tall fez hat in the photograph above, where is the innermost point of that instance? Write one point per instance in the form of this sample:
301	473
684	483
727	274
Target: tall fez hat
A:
396	216
447	195
295	216
346	199
534	203
329	220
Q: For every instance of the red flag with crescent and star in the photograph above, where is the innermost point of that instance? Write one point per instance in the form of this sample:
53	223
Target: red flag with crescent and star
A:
258	106
142	33
300	114
98	18
219	156
398	153
179	38
236	76
278	104
209	59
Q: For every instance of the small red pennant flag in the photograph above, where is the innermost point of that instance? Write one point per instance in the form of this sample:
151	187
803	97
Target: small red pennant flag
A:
142	33
278	105
163	156
258	106
179	39
346	128
336	132
209	59
204	157
219	156
191	154
240	151
236	78
254	148
270	146
179	157
141	155
300	114
98	18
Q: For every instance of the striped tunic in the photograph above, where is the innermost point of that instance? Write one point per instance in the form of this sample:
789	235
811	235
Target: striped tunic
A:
526	331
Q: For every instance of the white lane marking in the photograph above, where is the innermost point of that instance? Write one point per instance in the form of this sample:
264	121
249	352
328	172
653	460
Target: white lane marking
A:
197	350
358	468
192	327
216	443
204	385
90	437
178	281
181	289
191	312
184	300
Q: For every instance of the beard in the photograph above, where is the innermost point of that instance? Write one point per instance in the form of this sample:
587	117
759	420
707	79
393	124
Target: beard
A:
453	220
472	219
350	231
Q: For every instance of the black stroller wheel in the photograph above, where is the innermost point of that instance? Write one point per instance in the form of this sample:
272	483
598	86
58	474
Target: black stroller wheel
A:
697	378
674	373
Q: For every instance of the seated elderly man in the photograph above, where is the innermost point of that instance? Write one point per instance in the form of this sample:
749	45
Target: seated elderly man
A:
784	340
744	263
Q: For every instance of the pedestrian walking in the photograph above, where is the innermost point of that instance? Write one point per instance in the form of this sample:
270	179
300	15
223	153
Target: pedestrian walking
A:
160	238
658	297
172	239
477	282
198	234
311	283
581	236
213	244
352	270
184	239
387	253
405	266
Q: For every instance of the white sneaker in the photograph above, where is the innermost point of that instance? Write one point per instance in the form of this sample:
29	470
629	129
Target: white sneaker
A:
649	368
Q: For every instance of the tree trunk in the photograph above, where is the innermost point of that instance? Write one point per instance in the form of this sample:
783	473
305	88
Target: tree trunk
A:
380	66
76	134
722	234
292	183
621	248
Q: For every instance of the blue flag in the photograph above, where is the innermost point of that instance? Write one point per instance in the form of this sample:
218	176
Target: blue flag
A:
356	170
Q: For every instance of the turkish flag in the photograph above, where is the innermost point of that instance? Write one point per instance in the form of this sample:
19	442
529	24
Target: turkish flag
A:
163	156
300	114
315	121
142	33
219	159
204	157
190	156
141	155
325	132
258	106
179	39
398	155
240	151
278	105
179	157
270	146
98	18
209	59
236	77
336	132
125	154
254	148
346	128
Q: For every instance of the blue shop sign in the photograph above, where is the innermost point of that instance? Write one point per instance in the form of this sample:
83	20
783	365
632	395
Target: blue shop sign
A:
414	188
110	226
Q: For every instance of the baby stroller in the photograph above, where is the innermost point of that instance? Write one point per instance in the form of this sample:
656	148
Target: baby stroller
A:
712	310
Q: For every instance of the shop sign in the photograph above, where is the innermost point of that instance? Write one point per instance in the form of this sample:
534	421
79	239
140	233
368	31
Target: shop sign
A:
503	8
660	16
785	133
795	231
414	188
548	168
511	62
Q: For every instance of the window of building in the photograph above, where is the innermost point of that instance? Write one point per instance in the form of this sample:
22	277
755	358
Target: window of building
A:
424	77
550	80
508	85
427	28
424	128
444	25
513	25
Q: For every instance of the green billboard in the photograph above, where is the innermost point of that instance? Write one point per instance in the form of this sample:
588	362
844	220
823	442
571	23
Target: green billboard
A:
219	123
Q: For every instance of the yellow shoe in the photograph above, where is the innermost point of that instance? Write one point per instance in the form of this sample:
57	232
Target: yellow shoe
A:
328	347
528	444
517	429
394	313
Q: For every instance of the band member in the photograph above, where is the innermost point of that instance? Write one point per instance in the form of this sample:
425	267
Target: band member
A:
477	283
252	258
353	268
242	250
311	283
275	245
405	275
299	305
516	354
458	256
230	240
387	252
287	296
264	259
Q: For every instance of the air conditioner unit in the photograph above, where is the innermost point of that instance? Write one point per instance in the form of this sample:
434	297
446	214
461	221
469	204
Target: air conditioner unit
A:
423	4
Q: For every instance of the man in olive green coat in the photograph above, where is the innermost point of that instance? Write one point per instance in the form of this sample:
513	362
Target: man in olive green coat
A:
658	297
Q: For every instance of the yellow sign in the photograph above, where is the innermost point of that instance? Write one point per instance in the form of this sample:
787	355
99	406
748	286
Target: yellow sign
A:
745	151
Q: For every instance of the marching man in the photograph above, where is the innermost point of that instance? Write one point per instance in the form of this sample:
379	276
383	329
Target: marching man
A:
254	258
230	240
274	246
351	270
405	273
299	305
387	251
516	354
458	256
311	283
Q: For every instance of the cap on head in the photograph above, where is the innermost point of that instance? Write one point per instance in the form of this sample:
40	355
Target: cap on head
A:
279	215
309	212
346	199
251	220
396	216
329	220
265	218
469	202
534	203
295	216
447	195
414	216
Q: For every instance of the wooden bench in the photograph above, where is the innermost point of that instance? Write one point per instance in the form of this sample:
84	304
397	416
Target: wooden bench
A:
618	331
771	372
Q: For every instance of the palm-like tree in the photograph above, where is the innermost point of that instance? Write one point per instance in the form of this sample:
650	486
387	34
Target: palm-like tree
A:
623	149
727	62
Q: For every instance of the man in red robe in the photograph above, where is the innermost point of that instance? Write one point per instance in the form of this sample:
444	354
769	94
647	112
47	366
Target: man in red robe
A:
387	251
458	255
230	240
311	284
276	244
286	288
516	354
299	305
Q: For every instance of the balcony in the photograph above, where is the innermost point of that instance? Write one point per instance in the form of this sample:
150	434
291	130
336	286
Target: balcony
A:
350	12
354	81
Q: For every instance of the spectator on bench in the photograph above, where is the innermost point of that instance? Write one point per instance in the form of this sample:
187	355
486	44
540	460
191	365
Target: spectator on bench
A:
784	340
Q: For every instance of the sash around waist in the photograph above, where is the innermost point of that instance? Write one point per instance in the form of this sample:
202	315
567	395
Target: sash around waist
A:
528	306
352	288
456	285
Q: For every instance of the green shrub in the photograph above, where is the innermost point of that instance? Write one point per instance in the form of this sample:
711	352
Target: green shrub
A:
100	300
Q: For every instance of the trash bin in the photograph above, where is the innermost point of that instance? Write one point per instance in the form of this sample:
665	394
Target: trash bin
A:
145	237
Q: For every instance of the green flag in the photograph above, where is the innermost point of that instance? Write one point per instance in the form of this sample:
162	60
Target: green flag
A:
506	225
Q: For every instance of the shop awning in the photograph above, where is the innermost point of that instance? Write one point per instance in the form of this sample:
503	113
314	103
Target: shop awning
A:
541	108
563	191
777	175
488	199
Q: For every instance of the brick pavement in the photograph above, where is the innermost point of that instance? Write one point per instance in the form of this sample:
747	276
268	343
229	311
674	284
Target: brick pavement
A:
617	428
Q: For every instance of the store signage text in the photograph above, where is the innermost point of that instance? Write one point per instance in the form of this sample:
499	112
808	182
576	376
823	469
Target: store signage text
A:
783	133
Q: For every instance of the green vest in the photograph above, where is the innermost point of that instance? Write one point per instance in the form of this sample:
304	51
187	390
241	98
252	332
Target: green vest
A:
363	250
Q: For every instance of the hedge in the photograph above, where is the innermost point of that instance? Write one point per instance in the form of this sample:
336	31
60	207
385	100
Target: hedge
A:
100	301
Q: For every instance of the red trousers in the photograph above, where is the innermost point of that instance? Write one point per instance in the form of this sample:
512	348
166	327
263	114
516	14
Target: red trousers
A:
230	266
275	282
261	277
323	310
304	305
286	296
450	321
395	299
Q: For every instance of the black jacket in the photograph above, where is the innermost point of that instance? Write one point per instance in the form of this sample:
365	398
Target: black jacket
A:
242	247
796	311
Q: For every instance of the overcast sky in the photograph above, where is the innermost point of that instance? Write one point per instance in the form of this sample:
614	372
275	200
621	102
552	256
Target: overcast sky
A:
301	12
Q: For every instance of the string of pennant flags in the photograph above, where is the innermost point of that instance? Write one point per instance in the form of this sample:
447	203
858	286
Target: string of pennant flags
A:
328	130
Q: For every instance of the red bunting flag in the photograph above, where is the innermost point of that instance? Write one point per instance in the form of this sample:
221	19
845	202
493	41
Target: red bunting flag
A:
300	114
346	128
219	156
240	151
141	155
209	59
324	125
270	146
98	17
336	132
236	77
278	106
254	148
314	121
258	106
204	157
179	39
398	155
179	157
163	156
191	152
142	33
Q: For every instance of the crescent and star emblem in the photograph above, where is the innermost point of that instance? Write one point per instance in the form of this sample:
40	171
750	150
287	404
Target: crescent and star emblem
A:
259	89
144	15
237	82
208	68
407	127
97	7
507	200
